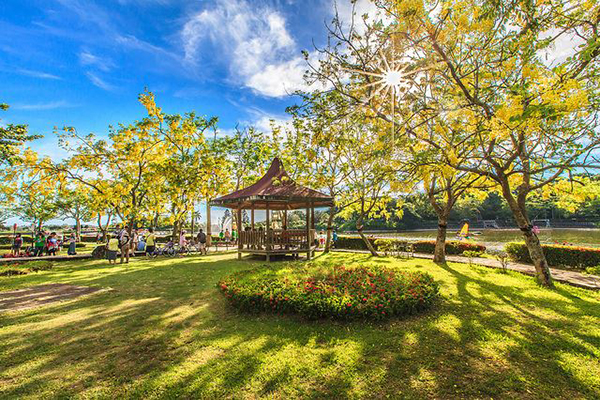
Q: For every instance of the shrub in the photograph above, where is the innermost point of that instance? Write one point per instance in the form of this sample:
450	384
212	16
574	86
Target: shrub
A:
25	268
470	254
557	255
338	293
501	256
420	246
593	270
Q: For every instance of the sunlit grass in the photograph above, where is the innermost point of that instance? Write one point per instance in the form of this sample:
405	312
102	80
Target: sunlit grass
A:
161	329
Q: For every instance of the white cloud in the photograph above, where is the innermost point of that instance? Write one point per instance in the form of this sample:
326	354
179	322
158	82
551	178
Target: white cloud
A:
346	8
566	45
86	58
277	80
99	82
43	106
38	74
253	40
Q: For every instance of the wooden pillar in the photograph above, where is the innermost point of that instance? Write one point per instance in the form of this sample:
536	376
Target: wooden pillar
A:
285	226
239	229
312	222
268	228
252	232
208	225
308	231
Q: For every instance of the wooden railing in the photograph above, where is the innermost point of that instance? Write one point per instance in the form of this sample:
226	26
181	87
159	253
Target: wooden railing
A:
276	239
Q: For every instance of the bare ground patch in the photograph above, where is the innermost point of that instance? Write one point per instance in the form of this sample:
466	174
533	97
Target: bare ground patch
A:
40	295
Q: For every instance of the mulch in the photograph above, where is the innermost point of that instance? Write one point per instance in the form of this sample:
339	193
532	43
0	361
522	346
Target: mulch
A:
37	296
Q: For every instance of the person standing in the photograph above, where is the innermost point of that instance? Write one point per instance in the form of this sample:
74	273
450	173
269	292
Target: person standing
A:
227	236
72	245
112	248
135	241
234	236
150	242
125	243
17	243
202	242
182	241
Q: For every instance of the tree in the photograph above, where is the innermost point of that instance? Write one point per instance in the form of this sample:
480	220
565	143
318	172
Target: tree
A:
522	122
184	169
75	202
123	173
317	144
36	202
12	137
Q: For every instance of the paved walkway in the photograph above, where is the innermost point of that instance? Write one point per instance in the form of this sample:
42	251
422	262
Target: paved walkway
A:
560	275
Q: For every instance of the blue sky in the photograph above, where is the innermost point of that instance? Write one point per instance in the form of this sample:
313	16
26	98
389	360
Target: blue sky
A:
83	62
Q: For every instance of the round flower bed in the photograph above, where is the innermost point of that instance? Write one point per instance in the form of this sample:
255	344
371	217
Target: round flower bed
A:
338	292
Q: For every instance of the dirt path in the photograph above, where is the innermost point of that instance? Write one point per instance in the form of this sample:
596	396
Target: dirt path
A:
570	277
37	296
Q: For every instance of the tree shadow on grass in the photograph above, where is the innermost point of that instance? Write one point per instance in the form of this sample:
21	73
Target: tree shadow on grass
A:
165	331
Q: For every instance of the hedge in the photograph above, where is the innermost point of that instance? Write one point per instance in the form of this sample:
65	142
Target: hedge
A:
419	246
557	255
338	293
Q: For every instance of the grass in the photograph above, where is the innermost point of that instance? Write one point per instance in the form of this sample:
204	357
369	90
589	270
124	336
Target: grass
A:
88	248
162	330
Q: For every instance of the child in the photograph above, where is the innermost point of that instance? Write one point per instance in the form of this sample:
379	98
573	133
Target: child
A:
40	243
17	243
72	245
52	244
112	247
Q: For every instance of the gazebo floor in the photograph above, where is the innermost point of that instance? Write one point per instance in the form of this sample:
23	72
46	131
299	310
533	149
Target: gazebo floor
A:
277	252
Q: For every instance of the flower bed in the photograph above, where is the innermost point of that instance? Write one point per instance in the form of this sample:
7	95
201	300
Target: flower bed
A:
337	292
419	246
558	255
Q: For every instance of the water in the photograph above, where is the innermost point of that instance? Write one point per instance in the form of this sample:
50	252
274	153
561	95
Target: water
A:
496	238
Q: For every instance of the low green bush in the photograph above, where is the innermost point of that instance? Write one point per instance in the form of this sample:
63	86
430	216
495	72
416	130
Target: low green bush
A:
557	255
25	268
419	246
337	293
593	270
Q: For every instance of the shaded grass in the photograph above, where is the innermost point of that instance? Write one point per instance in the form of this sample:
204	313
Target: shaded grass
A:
163	330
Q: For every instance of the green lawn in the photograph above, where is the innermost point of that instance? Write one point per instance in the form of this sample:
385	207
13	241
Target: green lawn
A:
162	330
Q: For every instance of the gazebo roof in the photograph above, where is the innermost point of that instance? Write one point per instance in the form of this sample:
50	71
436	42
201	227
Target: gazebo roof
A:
278	190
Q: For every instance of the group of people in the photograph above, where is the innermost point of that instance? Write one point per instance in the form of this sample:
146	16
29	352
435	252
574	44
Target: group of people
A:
44	243
228	237
322	237
145	241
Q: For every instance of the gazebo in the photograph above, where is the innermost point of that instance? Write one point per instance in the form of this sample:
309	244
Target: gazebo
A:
275	191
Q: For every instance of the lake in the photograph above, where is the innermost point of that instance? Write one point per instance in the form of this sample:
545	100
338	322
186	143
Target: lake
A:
496	238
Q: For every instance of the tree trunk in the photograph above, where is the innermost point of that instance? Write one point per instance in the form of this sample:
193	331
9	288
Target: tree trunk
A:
439	255
359	228
329	229
208	224
193	217
176	226
536	252
78	229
